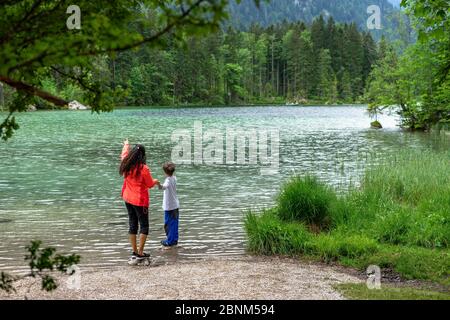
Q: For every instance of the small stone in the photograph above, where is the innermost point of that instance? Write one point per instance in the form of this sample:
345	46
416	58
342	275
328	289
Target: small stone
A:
376	125
31	108
75	105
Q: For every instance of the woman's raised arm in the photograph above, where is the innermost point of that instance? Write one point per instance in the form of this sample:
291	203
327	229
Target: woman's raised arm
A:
125	149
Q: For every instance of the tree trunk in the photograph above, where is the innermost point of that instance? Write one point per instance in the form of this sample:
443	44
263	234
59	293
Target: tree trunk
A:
114	72
2	98
286	81
295	82
278	78
260	84
273	68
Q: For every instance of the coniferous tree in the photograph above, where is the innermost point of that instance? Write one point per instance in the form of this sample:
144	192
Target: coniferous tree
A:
326	86
370	57
355	59
346	92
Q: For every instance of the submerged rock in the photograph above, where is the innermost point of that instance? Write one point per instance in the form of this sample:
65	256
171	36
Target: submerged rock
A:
75	105
376	125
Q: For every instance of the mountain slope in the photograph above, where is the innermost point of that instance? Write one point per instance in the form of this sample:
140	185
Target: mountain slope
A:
395	3
276	11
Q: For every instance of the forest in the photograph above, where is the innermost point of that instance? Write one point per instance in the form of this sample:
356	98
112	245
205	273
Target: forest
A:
324	62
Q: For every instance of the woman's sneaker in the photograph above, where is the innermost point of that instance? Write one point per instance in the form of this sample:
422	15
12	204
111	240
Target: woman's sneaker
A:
133	260
143	256
139	259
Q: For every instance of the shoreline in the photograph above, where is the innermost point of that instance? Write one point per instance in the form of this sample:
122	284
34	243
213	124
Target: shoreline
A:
248	277
200	106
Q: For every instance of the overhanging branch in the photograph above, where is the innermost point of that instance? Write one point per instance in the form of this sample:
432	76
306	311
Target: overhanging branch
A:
24	87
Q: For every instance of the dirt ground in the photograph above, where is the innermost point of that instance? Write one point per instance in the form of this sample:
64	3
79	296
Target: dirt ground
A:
247	277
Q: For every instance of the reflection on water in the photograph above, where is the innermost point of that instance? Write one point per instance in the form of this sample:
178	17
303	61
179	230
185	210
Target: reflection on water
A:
59	180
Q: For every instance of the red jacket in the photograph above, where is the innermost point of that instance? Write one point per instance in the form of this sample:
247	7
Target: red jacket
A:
135	188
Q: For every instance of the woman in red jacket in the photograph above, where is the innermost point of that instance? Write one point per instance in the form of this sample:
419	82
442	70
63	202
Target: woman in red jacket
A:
137	181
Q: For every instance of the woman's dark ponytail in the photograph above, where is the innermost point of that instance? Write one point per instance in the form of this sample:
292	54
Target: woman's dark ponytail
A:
135	159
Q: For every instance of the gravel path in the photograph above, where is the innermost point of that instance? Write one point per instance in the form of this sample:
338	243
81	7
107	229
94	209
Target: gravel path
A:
243	278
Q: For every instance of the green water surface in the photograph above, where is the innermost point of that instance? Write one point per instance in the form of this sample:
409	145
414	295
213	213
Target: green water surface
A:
59	180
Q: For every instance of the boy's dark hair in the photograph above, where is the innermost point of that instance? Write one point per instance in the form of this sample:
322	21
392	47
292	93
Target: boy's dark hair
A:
169	168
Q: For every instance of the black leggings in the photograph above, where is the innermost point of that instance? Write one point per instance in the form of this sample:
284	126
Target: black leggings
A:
137	215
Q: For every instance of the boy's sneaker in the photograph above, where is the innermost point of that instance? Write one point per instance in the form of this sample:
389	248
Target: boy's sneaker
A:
165	244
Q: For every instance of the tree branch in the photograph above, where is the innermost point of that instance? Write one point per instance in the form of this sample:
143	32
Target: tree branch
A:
24	87
152	38
16	27
78	80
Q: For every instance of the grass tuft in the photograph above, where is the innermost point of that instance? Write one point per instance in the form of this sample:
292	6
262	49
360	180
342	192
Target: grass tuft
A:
361	292
307	200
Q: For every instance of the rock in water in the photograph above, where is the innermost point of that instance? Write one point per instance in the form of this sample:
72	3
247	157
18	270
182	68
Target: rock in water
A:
75	105
31	108
376	125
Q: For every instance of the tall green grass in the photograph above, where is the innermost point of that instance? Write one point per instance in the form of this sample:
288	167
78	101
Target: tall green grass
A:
407	200
399	218
307	200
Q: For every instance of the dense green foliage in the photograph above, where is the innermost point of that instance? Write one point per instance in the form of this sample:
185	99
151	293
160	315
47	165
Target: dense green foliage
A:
399	218
42	262
417	84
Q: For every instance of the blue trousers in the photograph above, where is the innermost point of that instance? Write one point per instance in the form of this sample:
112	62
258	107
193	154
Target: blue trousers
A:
171	219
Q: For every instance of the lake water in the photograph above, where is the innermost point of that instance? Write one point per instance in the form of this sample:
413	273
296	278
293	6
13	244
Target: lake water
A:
59	181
